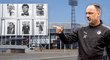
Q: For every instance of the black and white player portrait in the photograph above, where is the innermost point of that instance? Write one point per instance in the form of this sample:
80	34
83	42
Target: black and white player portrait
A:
25	10
10	27
9	10
40	10
40	27
25	27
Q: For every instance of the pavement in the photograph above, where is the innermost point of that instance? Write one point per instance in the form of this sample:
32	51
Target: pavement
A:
45	54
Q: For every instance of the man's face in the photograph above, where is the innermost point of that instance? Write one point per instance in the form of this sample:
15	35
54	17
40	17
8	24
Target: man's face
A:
10	24
92	15
25	9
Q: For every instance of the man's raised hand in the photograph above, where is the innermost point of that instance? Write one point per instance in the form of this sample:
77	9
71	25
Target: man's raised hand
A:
58	29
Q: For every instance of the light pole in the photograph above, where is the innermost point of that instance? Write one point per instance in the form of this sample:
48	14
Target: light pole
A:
73	3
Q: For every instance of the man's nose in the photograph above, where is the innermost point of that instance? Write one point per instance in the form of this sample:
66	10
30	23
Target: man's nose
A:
87	15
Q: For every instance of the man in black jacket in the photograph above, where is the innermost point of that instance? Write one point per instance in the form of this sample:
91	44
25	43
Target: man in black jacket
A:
90	38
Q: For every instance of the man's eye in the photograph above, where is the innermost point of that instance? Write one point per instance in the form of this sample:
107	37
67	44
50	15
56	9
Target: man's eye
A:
89	13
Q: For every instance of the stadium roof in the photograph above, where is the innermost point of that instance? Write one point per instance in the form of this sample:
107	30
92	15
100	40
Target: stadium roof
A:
66	25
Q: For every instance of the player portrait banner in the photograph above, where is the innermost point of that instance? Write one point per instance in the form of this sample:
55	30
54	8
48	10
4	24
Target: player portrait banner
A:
40	27
23	19
10	10
25	10
10	27
40	10
25	27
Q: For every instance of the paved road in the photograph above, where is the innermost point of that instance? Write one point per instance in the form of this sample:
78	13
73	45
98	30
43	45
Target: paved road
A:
44	55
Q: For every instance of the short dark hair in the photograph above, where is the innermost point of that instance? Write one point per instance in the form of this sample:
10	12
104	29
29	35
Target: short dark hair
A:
96	6
25	5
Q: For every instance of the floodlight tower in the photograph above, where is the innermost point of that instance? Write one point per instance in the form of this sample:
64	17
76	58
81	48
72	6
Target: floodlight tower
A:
73	3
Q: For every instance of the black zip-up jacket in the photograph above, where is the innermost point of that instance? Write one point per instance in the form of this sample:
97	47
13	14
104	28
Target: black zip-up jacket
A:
91	40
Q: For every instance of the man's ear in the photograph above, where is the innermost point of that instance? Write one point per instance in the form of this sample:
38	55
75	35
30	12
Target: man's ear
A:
99	13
